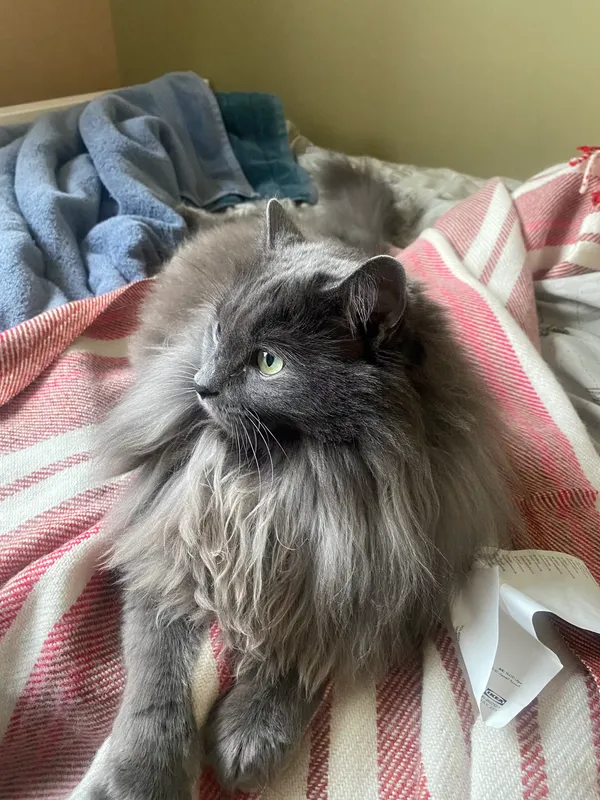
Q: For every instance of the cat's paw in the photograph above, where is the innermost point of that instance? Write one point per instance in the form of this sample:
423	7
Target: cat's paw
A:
244	748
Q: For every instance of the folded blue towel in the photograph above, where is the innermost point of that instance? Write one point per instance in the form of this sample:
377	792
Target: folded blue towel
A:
88	195
256	127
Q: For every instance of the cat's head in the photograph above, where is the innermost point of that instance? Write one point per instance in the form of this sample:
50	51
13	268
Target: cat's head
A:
299	344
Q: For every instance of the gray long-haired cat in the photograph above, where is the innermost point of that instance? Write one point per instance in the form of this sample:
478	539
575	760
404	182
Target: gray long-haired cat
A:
315	465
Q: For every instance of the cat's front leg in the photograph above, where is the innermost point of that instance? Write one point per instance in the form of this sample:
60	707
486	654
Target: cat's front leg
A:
154	749
251	730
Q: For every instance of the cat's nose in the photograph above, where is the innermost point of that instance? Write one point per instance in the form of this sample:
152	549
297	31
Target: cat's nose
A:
205	391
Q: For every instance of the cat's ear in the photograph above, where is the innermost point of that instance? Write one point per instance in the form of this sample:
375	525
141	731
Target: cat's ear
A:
280	228
375	296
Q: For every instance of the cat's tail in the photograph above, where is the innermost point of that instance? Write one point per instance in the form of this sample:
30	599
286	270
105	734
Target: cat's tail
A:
356	204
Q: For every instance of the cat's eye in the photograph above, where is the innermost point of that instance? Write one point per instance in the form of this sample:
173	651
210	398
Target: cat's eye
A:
217	332
268	363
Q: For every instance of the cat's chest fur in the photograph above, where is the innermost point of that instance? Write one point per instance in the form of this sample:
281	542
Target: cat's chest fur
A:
290	560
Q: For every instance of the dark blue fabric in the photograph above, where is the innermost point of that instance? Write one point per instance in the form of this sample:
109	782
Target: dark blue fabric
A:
255	124
88	195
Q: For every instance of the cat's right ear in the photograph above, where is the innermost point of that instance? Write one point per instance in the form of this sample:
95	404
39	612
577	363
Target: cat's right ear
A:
375	296
280	228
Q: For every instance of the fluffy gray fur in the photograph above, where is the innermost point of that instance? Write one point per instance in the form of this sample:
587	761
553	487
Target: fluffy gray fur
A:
323	514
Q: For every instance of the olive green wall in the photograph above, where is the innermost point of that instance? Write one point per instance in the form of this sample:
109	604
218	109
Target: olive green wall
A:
484	86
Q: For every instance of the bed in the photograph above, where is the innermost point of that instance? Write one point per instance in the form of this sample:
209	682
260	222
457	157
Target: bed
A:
516	265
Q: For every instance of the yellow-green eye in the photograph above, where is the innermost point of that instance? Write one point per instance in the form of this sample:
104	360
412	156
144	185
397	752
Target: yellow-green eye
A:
268	363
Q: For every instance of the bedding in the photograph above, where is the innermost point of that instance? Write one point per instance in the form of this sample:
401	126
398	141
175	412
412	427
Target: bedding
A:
88	195
411	735
423	194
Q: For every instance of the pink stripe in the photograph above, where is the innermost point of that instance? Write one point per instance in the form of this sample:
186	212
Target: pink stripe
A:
462	224
25	351
502	239
63	399
40	535
521	306
565	270
49	742
552	215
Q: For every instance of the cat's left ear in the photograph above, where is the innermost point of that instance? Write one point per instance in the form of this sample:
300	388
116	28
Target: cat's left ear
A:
280	228
375	296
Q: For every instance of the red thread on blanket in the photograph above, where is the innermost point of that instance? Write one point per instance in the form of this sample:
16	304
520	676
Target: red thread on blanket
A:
590	155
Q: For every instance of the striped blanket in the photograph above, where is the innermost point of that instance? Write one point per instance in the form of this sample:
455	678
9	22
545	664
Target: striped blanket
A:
412	735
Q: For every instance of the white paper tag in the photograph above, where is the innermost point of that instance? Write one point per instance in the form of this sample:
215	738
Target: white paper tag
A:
493	616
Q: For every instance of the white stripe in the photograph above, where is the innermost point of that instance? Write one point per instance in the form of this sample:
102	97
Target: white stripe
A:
553	170
56	448
111	348
541	180
566	730
51	492
509	266
496	763
445	759
205	688
591	223
483	245
292	782
353	742
583	254
82	790
205	682
539	373
51	597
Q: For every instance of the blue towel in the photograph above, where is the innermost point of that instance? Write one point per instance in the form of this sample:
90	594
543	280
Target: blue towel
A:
255	124
88	195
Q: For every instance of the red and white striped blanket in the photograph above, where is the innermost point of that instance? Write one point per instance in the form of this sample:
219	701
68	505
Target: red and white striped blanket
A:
413	735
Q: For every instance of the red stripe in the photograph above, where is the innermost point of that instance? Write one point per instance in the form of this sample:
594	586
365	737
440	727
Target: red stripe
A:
533	764
462	695
320	739
39	475
400	768
16	591
222	657
593	697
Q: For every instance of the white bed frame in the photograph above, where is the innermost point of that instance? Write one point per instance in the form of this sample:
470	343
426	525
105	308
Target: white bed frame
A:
27	112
